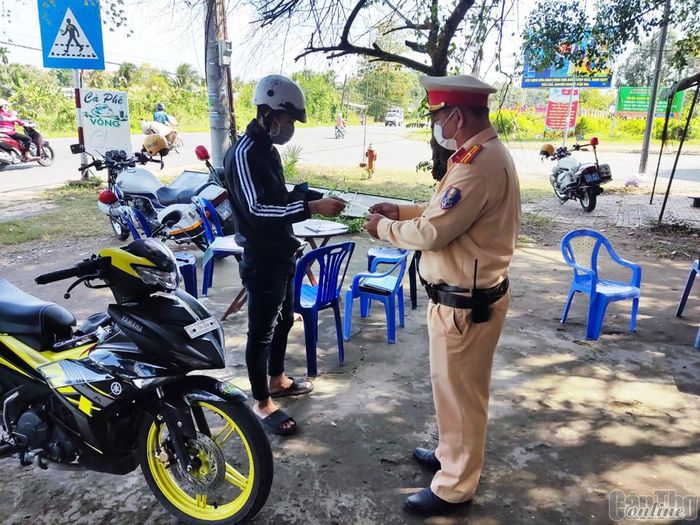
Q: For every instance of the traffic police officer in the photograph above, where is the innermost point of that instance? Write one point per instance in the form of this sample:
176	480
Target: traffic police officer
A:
467	234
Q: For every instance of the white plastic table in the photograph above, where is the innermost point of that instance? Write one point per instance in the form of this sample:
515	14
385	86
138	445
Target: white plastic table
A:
312	230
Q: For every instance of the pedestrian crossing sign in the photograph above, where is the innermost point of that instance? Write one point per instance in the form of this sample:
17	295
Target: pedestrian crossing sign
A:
71	34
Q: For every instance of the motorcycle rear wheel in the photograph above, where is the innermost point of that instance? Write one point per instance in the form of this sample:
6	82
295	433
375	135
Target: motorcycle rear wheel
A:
178	144
47	156
588	199
235	442
3	166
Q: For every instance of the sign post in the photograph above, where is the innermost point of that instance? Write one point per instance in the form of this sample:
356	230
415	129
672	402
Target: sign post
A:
71	38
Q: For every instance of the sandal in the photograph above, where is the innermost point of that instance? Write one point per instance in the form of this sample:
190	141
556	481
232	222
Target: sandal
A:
295	389
274	423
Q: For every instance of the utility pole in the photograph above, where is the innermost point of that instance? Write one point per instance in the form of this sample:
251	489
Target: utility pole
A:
217	57
654	90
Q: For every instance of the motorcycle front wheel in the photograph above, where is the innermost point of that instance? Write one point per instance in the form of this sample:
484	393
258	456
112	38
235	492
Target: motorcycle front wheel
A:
232	473
121	231
47	156
588	199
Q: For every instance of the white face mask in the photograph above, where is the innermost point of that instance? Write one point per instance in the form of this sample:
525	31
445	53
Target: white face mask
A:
450	144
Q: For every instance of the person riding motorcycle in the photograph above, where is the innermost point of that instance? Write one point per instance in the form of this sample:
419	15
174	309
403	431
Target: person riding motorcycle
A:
160	116
8	120
162	124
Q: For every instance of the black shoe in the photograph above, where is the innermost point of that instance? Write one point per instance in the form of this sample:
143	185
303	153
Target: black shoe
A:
425	502
427	458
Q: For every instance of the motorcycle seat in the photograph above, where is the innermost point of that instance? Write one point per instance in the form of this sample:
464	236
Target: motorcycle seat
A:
25	315
167	196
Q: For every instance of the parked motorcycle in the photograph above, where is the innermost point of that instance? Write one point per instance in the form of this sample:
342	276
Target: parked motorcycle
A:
117	393
129	184
11	151
169	133
572	180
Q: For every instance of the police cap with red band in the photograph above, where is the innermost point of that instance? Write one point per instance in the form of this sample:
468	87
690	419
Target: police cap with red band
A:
458	90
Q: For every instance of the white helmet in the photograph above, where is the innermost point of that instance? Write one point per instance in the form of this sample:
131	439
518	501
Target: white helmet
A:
281	93
3	103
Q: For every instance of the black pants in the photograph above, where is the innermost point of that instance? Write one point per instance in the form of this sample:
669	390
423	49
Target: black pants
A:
26	141
270	318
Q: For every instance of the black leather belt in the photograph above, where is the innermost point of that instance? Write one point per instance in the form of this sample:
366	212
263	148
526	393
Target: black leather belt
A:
478	303
448	295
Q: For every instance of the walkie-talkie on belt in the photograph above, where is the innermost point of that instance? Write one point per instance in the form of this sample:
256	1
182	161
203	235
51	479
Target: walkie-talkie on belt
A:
480	306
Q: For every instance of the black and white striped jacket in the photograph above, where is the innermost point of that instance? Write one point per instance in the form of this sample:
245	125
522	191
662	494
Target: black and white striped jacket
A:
264	210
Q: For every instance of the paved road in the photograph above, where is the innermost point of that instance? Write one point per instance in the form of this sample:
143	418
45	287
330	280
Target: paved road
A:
320	147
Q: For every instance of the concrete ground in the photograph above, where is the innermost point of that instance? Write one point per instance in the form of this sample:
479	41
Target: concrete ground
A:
570	420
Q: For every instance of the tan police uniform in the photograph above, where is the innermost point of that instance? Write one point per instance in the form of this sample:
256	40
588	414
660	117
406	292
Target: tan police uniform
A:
473	215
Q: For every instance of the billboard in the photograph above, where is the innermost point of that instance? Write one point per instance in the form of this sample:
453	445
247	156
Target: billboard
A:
634	102
569	74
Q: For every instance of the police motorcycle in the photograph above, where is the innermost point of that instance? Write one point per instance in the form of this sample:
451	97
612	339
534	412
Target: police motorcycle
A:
572	180
131	186
117	393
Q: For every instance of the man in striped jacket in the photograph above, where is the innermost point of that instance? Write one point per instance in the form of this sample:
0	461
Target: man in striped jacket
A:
264	211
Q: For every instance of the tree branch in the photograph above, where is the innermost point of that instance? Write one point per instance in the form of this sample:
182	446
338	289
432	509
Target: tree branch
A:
376	52
415	46
447	33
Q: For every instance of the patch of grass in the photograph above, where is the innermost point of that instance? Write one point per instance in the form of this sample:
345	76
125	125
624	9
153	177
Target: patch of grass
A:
533	228
532	192
76	215
400	184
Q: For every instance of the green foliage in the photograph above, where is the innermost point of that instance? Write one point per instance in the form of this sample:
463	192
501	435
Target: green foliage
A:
322	96
46	97
381	85
613	25
504	122
290	159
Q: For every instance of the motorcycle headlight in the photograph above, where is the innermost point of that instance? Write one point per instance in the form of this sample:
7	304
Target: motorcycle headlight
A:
164	280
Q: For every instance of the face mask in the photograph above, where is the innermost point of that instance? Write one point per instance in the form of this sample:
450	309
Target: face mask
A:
450	144
284	132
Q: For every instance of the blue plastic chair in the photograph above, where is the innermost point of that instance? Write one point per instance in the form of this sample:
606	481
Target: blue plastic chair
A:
386	287
220	246
395	254
309	299
694	269
586	279
186	262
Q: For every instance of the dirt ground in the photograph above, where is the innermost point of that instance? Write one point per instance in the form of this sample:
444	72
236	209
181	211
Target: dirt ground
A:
570	420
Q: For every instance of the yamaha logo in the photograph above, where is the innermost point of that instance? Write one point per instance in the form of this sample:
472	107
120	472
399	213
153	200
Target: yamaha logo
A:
116	389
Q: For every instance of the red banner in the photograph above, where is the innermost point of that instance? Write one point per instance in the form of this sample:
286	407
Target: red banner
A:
558	107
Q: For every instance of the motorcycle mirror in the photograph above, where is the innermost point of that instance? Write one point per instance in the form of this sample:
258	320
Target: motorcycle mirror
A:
77	148
201	152
594	141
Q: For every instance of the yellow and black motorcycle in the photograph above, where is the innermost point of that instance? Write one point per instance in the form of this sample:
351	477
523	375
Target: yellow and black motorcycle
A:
116	392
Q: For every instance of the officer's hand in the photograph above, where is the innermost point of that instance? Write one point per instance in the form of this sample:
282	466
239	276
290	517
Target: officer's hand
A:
371	222
387	209
328	207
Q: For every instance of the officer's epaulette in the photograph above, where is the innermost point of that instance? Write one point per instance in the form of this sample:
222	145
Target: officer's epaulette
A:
464	156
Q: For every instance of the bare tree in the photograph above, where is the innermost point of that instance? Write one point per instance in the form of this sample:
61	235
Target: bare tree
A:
438	36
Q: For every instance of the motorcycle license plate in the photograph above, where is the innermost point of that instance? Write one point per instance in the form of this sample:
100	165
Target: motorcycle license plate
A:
204	326
224	210
592	178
